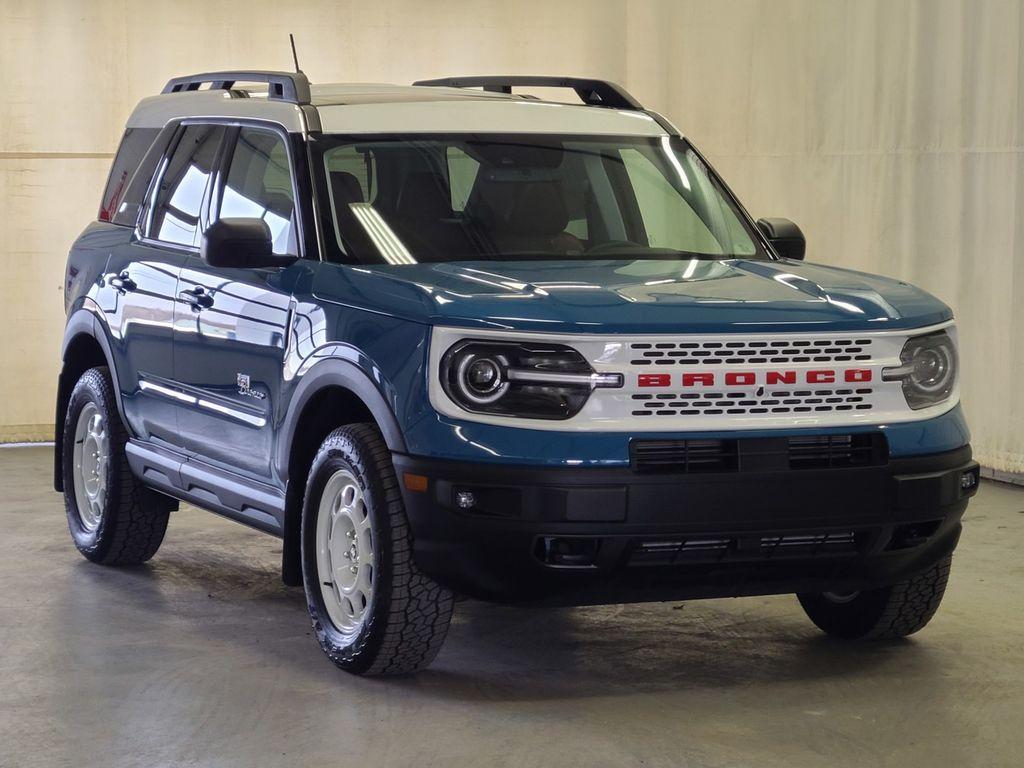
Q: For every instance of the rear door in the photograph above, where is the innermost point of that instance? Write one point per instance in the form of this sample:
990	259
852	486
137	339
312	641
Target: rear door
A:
142	281
230	341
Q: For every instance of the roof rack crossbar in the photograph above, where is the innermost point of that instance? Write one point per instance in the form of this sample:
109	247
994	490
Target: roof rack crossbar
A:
284	86
592	92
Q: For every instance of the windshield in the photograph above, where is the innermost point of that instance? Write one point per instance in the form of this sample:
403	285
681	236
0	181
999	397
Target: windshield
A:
415	199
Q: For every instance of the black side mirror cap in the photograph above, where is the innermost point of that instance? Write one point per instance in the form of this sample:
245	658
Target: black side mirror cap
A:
785	237
241	243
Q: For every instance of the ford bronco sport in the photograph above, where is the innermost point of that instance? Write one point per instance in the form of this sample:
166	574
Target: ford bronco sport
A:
452	340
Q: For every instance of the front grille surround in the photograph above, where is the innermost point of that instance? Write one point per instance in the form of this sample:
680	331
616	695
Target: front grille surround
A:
692	382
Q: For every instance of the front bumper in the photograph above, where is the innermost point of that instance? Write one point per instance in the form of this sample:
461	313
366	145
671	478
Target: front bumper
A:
592	535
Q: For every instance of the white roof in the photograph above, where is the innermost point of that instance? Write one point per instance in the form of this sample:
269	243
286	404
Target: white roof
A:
381	108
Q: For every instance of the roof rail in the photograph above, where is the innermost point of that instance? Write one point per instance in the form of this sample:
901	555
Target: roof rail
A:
285	86
594	93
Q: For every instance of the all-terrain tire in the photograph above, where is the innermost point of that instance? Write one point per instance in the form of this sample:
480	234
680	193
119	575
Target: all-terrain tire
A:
128	525
408	615
887	613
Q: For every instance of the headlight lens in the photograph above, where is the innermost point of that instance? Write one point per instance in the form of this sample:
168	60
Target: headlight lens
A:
928	371
521	379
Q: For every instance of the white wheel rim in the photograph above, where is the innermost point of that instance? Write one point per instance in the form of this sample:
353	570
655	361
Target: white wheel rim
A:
91	456
345	557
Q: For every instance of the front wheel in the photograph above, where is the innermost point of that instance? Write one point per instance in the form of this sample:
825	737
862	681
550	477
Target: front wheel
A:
373	611
886	613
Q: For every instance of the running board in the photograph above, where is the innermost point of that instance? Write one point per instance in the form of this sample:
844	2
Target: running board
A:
247	501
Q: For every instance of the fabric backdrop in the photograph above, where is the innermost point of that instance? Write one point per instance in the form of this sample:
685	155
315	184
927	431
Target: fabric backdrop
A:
890	130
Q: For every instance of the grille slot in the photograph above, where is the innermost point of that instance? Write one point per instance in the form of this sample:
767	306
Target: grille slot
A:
825	451
839	350
714	549
689	456
797	452
771	402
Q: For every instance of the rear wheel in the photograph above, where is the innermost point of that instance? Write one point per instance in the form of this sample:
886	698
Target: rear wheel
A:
886	613
112	517
373	611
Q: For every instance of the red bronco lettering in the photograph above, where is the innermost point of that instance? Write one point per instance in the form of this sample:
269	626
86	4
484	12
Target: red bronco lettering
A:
752	378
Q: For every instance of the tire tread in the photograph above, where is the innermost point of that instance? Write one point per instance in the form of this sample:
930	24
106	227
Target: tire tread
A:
136	518
417	610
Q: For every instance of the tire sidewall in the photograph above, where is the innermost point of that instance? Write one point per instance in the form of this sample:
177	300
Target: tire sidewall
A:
89	389
351	652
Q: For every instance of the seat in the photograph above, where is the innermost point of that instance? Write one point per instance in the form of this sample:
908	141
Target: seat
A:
529	217
426	223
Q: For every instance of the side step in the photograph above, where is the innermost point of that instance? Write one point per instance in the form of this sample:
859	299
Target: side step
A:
238	498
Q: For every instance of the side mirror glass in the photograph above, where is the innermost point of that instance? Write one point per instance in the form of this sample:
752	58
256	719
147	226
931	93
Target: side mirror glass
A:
240	243
785	237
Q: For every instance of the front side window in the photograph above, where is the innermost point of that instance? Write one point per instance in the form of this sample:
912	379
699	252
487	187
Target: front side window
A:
179	197
259	186
412	199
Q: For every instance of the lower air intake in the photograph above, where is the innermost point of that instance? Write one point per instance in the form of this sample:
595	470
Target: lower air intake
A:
708	549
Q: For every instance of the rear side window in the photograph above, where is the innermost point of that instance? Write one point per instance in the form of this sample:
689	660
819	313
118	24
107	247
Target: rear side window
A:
179	199
134	145
259	186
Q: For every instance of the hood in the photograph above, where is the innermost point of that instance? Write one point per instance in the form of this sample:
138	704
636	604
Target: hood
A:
708	296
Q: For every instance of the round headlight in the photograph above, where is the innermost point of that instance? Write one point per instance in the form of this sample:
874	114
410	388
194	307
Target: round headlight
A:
481	379
933	367
928	371
519	379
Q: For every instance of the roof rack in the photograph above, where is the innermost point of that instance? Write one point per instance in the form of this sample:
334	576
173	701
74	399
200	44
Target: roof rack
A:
594	93
284	86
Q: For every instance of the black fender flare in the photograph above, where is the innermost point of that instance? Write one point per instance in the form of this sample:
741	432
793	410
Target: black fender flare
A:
81	322
336	372
330	372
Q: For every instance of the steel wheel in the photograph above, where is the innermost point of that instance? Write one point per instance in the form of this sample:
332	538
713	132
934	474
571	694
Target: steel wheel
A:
91	457
344	552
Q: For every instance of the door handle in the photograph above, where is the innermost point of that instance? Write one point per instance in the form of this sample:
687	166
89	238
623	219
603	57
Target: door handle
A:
197	298
122	283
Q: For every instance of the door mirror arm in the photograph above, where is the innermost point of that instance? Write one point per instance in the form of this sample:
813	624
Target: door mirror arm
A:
241	243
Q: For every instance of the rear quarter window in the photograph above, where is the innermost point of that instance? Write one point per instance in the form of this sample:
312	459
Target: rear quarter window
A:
134	145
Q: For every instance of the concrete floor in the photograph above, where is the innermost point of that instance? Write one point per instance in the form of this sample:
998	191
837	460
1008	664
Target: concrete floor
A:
202	657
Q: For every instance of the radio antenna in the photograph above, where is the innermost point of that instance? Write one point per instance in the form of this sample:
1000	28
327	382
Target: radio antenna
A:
295	56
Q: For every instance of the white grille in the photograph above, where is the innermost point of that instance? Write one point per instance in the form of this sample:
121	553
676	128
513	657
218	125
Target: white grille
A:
710	382
751	352
769	402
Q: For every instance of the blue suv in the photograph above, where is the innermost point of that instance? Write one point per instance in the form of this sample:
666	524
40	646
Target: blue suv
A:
447	340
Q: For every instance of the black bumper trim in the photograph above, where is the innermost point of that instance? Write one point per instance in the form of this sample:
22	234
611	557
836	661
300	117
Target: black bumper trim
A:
490	550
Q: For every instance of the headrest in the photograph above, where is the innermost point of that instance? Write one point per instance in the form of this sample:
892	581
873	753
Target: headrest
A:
424	197
345	188
537	209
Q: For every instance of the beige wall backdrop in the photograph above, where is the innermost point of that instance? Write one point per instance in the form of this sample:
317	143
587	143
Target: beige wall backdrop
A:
891	130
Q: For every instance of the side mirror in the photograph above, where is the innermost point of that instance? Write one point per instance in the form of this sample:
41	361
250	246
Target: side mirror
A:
785	237
240	243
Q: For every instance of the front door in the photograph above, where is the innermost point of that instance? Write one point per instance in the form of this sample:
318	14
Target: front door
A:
231	328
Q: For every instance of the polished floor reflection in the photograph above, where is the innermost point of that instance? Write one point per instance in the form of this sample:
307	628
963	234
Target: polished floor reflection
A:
202	658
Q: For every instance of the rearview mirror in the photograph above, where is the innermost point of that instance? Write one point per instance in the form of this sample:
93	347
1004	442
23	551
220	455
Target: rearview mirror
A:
240	243
785	237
